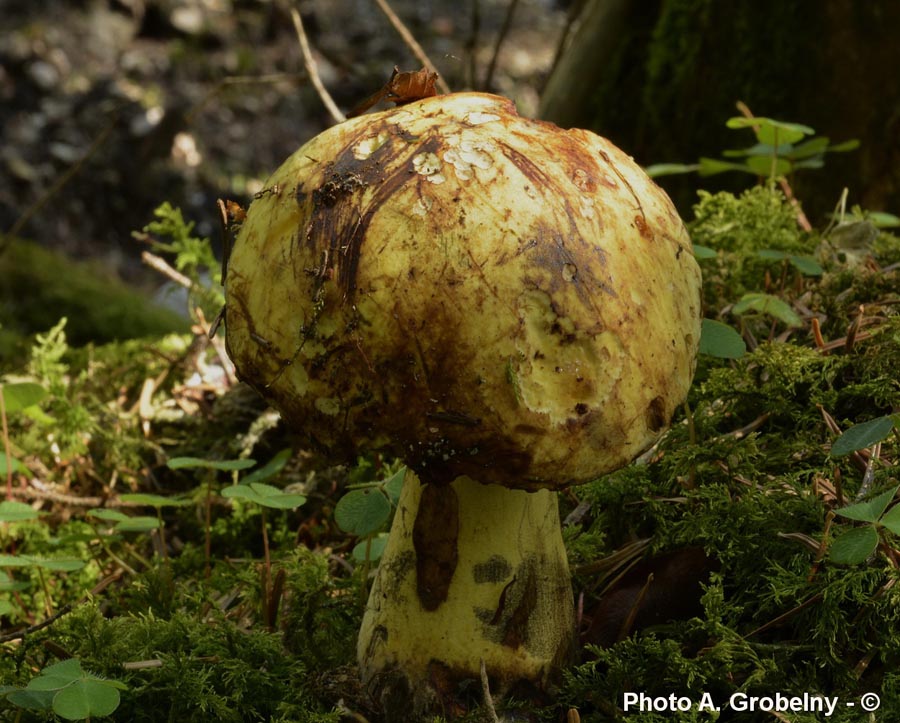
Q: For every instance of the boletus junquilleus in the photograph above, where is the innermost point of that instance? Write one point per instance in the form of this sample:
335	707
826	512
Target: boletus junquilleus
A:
508	307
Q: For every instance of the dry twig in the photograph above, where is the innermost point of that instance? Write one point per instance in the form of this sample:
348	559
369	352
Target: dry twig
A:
411	43
157	263
504	31
310	64
486	690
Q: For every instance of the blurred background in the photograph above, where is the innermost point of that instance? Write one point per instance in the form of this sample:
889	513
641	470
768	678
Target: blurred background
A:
110	107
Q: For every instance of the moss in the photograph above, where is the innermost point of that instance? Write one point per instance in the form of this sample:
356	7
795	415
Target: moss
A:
39	287
738	228
208	662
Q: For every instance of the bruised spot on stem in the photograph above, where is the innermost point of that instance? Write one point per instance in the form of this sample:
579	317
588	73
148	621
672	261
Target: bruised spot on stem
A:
435	537
516	629
493	570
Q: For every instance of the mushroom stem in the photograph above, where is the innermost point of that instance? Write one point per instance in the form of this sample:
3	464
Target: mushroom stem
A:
471	573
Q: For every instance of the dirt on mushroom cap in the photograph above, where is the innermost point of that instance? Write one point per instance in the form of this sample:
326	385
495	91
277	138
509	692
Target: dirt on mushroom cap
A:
474	292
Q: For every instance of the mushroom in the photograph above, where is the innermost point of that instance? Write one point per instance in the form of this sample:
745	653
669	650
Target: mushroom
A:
508	307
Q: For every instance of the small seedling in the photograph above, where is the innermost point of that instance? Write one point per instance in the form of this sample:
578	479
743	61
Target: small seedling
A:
125	523
806	265
211	467
68	691
365	510
770	305
42	565
252	489
15	397
854	546
781	150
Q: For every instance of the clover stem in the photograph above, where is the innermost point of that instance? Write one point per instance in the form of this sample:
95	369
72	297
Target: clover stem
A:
268	604
162	534
208	526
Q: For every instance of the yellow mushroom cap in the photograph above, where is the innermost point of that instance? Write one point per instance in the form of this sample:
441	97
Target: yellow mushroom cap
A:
474	292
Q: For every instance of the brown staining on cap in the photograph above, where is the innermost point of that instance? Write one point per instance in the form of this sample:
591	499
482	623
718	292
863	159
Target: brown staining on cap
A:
435	536
643	229
339	219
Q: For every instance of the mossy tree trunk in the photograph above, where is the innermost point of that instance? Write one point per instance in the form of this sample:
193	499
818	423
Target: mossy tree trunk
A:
660	78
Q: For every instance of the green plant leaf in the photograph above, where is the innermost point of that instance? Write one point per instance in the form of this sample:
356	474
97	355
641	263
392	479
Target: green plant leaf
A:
72	703
713	166
769	166
813	162
57	676
844	146
807	149
870	510
771	254
720	340
768	304
137	524
704	252
153	500
772	132
59	564
883	220
806	265
670	169
270	468
760	149
362	512
375	546
394	485
265	495
32	699
7	584
860	436
854	546
86	698
229	465
108	515
16	465
73	693
891	520
21	395
11	511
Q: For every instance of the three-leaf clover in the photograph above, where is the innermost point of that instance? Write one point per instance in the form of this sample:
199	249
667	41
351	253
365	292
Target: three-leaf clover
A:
366	510
69	691
855	545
